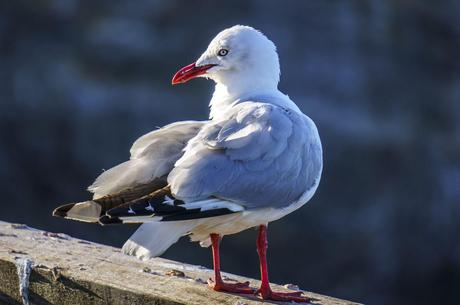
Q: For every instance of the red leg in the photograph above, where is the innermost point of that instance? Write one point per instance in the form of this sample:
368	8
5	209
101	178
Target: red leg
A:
265	291
218	284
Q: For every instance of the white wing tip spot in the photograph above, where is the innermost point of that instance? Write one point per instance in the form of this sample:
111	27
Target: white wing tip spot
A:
168	200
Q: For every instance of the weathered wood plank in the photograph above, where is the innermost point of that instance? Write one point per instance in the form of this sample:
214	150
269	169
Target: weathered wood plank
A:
67	270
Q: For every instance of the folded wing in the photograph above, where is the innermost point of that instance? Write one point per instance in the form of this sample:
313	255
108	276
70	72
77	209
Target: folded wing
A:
152	158
260	155
161	205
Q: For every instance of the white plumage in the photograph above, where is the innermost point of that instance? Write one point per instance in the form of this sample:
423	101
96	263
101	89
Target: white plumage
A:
256	159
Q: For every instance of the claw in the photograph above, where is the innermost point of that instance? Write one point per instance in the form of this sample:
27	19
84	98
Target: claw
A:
287	297
231	287
296	296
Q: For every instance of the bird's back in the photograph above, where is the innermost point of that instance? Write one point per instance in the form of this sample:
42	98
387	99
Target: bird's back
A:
258	155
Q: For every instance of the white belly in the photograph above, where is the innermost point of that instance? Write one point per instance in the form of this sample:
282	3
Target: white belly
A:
237	222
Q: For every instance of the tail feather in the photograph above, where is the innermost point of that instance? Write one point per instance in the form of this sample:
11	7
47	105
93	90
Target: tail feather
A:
153	238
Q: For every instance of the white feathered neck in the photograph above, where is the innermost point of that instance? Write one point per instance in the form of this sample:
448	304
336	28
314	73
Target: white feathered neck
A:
251	68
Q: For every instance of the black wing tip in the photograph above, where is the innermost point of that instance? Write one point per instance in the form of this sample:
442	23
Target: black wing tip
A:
148	207
107	220
129	210
61	211
196	214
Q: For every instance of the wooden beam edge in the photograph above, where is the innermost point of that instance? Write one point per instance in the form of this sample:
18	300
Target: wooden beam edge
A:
67	270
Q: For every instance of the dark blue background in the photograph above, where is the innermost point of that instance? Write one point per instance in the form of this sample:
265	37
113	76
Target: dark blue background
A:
80	81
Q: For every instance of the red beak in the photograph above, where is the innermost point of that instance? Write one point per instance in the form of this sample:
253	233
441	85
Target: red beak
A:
189	72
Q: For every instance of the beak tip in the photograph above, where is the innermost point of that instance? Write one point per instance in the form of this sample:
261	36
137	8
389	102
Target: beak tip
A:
188	72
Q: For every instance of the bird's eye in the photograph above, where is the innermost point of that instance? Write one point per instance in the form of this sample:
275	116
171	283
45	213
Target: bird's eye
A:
222	52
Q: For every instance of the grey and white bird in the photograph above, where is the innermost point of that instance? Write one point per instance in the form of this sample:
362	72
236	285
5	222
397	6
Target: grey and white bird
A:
257	159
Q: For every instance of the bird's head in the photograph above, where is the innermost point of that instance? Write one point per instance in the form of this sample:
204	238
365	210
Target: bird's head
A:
237	56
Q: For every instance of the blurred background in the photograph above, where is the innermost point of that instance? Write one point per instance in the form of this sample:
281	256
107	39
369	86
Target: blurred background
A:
80	81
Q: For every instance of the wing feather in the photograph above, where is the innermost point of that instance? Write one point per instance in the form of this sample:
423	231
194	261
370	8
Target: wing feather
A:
259	155
161	205
152	156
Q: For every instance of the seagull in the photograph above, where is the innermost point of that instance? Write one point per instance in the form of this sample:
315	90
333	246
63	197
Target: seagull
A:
257	159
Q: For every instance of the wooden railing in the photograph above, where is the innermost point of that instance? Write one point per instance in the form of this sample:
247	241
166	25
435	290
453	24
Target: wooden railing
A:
38	267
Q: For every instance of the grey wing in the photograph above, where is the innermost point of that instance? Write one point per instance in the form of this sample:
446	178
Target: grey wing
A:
152	158
260	155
